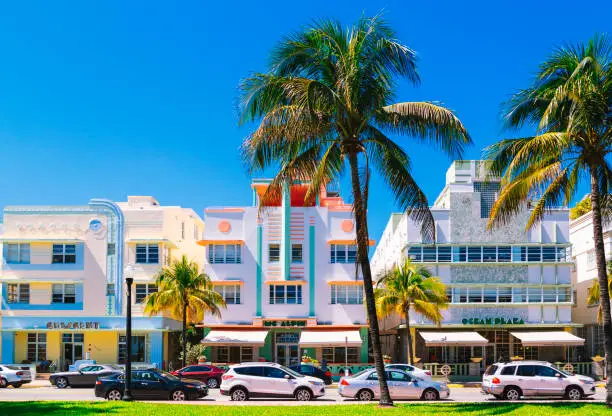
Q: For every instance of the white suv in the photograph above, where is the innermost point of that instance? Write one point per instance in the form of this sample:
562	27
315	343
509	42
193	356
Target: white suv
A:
247	380
514	379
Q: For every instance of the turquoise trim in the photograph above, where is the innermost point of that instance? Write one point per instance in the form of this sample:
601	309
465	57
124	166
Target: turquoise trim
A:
79	263
48	307
311	269
259	282
113	323
8	347
156	348
286	238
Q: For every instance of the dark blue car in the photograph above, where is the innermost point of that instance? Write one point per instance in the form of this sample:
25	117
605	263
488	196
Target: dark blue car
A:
150	385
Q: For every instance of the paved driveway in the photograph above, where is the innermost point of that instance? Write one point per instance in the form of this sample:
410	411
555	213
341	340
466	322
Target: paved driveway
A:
332	397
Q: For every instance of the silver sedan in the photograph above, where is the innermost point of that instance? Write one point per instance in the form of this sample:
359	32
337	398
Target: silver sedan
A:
364	386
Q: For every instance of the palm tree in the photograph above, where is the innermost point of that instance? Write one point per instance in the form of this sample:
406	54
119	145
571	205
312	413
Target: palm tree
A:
410	286
186	293
570	106
593	294
325	100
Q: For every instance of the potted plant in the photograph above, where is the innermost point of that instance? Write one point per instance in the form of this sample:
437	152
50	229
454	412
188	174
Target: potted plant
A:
306	358
201	359
387	359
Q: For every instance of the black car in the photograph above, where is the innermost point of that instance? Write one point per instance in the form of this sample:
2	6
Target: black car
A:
312	371
85	377
151	384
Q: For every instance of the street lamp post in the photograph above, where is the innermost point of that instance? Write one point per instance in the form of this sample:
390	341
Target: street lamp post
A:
129	279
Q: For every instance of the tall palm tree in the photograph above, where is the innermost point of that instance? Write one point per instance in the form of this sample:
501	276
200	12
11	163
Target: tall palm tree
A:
594	294
409	286
325	100
570	106
186	293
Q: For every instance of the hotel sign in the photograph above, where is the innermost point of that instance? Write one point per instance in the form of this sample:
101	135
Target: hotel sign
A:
285	324
493	321
73	325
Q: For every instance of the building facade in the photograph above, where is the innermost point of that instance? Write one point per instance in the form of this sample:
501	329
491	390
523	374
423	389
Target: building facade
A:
583	277
509	290
287	273
63	279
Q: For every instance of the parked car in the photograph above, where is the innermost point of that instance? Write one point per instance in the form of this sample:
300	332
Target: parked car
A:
516	379
80	363
151	384
86	376
412	370
364	386
209	374
14	376
244	381
311	370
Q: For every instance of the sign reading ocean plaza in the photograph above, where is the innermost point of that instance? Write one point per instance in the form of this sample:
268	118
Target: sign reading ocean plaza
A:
493	321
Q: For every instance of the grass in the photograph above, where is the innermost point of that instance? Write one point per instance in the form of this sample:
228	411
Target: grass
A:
448	409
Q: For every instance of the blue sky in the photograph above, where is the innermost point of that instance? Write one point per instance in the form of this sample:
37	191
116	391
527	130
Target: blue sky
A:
110	98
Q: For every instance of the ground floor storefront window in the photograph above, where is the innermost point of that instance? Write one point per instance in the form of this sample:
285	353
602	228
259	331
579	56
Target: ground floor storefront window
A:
139	349
232	354
341	354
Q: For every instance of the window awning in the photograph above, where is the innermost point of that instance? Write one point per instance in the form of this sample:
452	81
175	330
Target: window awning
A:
330	339
442	339
548	339
237	338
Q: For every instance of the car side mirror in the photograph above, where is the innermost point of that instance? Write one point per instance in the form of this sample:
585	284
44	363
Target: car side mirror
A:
557	375
287	377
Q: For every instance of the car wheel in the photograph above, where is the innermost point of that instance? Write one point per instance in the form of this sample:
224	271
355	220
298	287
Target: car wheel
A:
212	383
178	396
512	393
239	394
573	393
61	382
365	396
430	395
303	395
113	394
3	383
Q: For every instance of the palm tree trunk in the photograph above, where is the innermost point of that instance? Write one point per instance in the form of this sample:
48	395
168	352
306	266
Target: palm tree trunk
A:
602	277
364	264
410	352
184	335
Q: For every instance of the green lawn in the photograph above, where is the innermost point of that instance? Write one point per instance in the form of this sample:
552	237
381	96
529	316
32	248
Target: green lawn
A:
450	409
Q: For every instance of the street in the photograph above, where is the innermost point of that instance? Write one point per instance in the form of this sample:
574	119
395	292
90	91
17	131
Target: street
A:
86	394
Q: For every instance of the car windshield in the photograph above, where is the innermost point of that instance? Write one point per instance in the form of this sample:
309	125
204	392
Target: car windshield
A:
292	372
168	376
566	374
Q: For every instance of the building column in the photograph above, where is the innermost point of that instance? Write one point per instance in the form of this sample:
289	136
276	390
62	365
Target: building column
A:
8	347
286	236
156	348
363	352
258	281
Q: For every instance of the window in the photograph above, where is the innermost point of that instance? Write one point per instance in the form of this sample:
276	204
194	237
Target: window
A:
138	353
343	253
504	295
526	370
64	253
534	254
490	370
549	254
534	294
274	253
397	376
519	294
71	337
224	253
489	254
459	295
234	355
63	293
591	262
147	253
490	295
488	194
274	372
110	249
459	254
296	253
285	294
143	290
18	253
508	371
543	371
230	293
414	253
429	254
475	295
504	254
18	293
250	371
338	354
549	295
444	254
346	294
563	294
474	254
37	347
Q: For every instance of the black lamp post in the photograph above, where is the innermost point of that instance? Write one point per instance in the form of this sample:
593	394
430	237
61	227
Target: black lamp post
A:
127	394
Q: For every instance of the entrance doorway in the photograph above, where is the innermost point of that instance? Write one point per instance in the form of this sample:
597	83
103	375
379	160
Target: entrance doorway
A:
287	349
72	349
